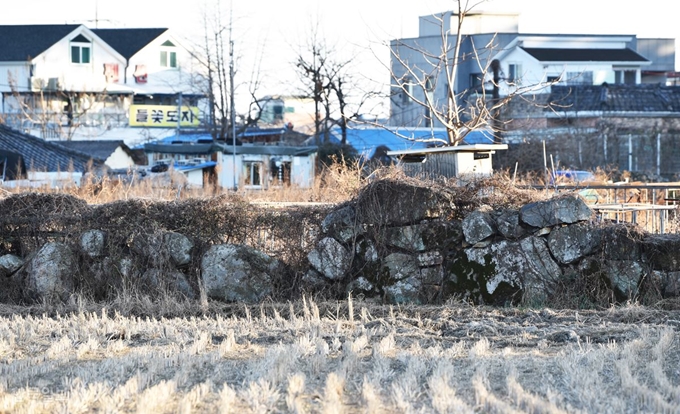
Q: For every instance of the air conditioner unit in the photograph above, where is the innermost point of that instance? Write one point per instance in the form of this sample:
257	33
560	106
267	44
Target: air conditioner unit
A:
53	84
36	83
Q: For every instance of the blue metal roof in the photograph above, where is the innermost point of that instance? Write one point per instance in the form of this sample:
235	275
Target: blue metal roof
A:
366	140
201	166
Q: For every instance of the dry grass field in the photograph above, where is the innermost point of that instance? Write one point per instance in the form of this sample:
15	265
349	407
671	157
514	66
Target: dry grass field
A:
135	353
351	356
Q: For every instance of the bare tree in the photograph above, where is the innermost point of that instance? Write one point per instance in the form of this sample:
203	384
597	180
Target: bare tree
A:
328	79
418	72
55	112
216	54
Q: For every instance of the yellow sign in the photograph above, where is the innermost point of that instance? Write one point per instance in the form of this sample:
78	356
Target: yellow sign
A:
165	116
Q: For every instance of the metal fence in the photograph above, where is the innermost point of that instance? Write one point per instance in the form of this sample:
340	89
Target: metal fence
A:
652	206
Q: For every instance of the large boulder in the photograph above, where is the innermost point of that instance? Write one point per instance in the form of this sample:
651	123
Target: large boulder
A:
400	266
395	203
509	226
662	251
330	258
624	277
49	273
237	273
173	280
571	243
622	242
478	226
341	224
565	209
525	264
409	238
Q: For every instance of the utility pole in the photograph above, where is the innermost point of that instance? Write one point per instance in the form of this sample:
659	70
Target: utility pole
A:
231	87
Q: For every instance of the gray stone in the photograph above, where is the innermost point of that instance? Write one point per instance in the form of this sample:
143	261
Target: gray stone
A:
237	273
403	291
314	280
9	264
395	203
330	258
478	226
92	242
565	209
401	266
173	280
178	247
526	264
360	284
621	242
340	224
409	238
427	259
624	277
662	251
670	284
432	275
365	248
569	244
508	225
49	273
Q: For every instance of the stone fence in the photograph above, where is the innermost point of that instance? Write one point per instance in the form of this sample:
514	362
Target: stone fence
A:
546	252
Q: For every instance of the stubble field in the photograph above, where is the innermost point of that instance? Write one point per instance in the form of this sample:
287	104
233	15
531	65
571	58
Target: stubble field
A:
351	356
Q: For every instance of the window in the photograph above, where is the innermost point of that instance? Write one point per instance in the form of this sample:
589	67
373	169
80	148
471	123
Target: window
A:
514	73
580	78
429	93
475	80
407	90
168	55
627	77
252	173
80	49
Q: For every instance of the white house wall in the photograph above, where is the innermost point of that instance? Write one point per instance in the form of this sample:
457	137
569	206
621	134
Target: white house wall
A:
302	171
301	174
17	72
119	159
55	62
161	79
535	72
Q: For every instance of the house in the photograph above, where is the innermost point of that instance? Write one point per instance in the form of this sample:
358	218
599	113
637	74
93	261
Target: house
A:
293	112
460	161
59	79
615	126
26	160
114	154
241	165
527	62
372	141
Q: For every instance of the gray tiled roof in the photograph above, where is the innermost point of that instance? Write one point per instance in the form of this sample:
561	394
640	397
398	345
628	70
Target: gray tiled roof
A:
41	155
127	42
584	55
23	42
620	98
98	150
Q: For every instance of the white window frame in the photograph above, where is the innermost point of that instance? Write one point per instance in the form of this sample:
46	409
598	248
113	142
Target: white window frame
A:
168	53
73	44
249	174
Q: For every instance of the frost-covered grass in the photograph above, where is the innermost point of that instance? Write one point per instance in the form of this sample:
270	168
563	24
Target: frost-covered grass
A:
340	357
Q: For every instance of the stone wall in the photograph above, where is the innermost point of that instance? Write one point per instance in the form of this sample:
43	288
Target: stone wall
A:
404	244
